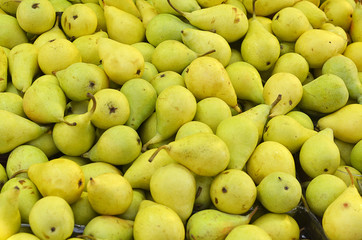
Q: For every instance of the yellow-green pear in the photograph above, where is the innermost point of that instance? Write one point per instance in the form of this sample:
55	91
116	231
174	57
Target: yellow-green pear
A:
316	16
23	236
23	65
77	107
35	16
353	51
286	47
164	79
3	176
233	191
128	6
51	218
101	21
248	231
343	174
149	71
10	220
356	153
157	221
54	33
138	196
57	55
202	198
108	227
78	20
337	30
22	130
356	23
214	224
287	131
147	11
120	61
9	7
235	56
280	226
82	210
145	48
45	143
338	12
342	217
163	6
11	34
60	5
4	67
191	128
344	151
208	3
265	7
302	118
12	102
350	115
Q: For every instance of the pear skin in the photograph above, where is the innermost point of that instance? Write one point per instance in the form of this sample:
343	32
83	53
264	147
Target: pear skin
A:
9	211
356	23
3	70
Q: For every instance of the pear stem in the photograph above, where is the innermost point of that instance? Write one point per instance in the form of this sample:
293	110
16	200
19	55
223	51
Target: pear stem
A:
250	215
91	96
350	175
69	123
18	172
254	15
207	53
174	8
279	97
305	203
156	152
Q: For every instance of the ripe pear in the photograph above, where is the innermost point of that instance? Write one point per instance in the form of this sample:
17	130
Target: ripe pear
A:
157	221
11	34
338	12
23	65
356	153
165	79
10	220
147	11
60	5
343	174
248	231
207	3
82	210
109	227
266	8
121	62
341	218
316	16
3	176
202	198
192	127
162	6
22	131
145	48
279	192
214	224
78	20
124	5
51	218
353	51
175	106
302	118
23	236
138	196
35	16
350	115
300	65
225	19
101	21
4	66
344	151
356	23
149	71
12	102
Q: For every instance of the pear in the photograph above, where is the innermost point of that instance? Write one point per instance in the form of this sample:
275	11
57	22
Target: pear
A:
338	12
246	81
157	221
207	3
11	34
35	16
283	129
78	20
278	225
149	71
302	118
82	210
286	47
28	195
57	55
207	77
147	11
60	5
165	26
113	108
45	143
3	176
22	131
78	138
141	98
138	196
350	116
315	15
279	192
346	69
164	79
260	48
225	19
3	70
346	208
12	102
214	224
23	236
23	65
108	227
9	213
54	33
235	56
175	106
356	153
192	127
353	51
162	6
204	41
343	174
128	6
51	218
202	198
248	231
145	48
265	8
77	107
122	26
337	30
345	150
174	186
9	7
233	191
322	191
204	154
356	23
121	62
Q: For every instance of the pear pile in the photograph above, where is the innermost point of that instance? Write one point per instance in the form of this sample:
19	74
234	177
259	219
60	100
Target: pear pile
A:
180	119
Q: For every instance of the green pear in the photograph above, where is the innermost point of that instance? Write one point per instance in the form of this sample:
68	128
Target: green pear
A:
60	5
165	26
345	150
82	210
22	131
11	34
175	106
302	118
51	218
266	8
28	195
214	224
202	198
121	62
23	65
109	193
225	19
204	154
141	170
35	16
45	143
108	227
145	48
356	153
122	26
248	231
12	102
147	11
131	212
77	107
57	55
78	20
9	212
278	225
128	6
201	41
316	16
207	77
152	216
23	236
241	136
165	79
287	131
4	66
235	56
162	6
77	138
149	71
233	191
141	98
279	192
192	127
246	81
286	47
341	218
349	131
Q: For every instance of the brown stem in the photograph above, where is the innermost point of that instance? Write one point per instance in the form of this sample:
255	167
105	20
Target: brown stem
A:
178	11
156	152
350	175
279	97
91	96
69	123
254	15
207	53
250	215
